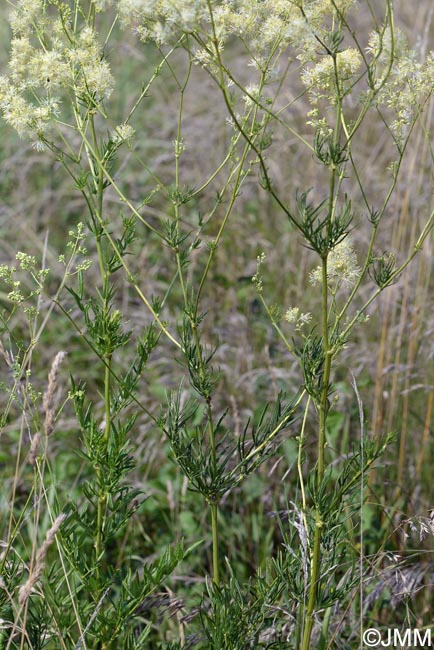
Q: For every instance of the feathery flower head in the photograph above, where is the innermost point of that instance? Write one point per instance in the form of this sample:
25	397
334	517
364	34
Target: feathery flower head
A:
342	267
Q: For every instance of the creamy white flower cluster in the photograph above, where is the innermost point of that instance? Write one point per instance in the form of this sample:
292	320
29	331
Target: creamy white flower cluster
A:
265	26
410	83
399	80
20	292
295	316
49	58
327	80
53	53
342	267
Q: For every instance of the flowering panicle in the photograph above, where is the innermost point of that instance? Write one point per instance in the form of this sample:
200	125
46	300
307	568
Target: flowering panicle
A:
47	60
26	15
257	278
51	56
263	26
324	81
123	133
409	81
295	316
411	84
342	267
18	291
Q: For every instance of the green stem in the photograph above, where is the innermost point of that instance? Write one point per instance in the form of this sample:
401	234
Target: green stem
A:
193	324
213	504
307	633
102	496
326	376
105	276
215	544
323	405
323	411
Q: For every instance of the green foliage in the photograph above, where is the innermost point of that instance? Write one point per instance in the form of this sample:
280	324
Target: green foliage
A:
236	614
214	476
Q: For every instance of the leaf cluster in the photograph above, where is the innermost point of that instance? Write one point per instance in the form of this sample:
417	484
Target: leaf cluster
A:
322	233
187	427
236	614
382	269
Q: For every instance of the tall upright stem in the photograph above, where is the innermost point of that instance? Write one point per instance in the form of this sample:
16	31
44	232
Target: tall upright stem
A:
215	544
323	410
105	277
